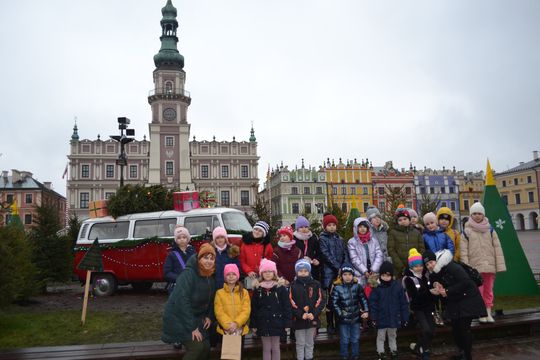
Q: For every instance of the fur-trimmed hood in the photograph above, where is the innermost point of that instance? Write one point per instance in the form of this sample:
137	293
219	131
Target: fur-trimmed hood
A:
248	239
444	257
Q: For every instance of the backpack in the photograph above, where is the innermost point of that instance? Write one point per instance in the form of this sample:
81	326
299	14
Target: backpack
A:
473	274
416	284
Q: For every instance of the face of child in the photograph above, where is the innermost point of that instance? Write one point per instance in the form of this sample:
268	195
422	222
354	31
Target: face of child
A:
257	233
477	217
284	238
302	273
268	275
418	268
220	241
386	277
414	220
444	223
403	221
431	225
362	230
430	265
347	277
303	230
331	228
207	261
375	221
231	278
181	240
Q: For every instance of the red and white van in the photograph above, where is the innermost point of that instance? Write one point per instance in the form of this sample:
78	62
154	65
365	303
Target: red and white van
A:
134	246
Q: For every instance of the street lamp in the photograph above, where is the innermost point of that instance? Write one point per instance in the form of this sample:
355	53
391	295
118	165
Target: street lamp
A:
123	139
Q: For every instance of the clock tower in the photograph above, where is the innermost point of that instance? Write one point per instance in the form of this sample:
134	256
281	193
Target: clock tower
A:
169	129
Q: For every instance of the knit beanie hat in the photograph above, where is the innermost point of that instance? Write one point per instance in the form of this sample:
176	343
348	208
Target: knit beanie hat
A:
329	219
301	222
302	264
477	208
429	255
286	230
386	268
372	212
219	231
347	269
206	249
402	212
263	226
412	212
267	265
180	230
414	258
430	217
231	268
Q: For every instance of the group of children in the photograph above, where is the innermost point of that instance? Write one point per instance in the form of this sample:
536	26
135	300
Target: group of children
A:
378	274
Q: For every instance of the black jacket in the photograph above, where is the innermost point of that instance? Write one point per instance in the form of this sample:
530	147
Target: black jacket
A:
172	267
349	301
420	298
306	296
334	255
313	252
270	310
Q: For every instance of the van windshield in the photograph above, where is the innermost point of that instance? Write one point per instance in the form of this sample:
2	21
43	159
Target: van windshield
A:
110	230
234	221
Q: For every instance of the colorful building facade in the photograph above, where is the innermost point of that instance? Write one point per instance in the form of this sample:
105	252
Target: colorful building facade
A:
442	186
470	191
389	177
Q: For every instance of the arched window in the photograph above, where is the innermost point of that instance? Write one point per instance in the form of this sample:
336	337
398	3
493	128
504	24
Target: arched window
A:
168	87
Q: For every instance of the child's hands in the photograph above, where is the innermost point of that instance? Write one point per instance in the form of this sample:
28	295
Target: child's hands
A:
310	316
254	330
305	316
315	262
434	291
364	315
233	326
252	274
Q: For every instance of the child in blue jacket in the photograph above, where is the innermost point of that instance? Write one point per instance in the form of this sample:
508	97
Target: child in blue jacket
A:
435	238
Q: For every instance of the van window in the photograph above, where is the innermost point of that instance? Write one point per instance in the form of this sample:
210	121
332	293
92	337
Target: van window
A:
236	222
83	231
199	225
105	231
154	227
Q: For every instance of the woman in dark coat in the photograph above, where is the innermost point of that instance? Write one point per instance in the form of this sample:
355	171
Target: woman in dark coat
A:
188	313
463	300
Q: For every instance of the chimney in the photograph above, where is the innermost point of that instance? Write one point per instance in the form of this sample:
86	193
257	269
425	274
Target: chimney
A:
47	184
521	162
15	176
5	176
535	155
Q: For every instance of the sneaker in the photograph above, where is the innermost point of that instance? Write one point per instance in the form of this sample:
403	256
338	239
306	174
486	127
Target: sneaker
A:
438	318
490	318
483	320
412	346
381	356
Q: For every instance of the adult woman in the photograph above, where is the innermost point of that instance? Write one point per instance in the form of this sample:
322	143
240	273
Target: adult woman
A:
463	300
187	313
481	249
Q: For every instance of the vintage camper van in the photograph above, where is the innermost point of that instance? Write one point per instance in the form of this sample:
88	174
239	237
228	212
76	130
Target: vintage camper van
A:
134	246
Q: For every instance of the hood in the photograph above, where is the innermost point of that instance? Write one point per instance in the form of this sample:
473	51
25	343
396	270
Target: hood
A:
357	222
248	239
382	227
445	210
444	257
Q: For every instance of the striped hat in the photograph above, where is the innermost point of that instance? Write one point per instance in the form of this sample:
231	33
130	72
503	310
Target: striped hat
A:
302	264
415	258
263	226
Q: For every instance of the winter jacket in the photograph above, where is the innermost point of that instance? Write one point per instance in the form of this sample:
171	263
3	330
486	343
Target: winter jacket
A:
312	251
334	255
438	240
359	256
270	310
388	306
285	260
172	267
381	234
227	256
453	234
251	253
186	309
418	291
306	296
349	301
400	241
232	306
482	250
463	297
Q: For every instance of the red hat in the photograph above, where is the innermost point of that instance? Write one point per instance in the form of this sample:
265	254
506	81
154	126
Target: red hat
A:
329	219
400	212
286	230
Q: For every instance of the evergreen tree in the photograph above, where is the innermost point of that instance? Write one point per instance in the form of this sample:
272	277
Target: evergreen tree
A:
341	218
262	212
74	225
131	199
393	196
348	230
428	204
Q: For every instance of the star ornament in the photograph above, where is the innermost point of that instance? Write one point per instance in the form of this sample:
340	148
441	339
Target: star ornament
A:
500	224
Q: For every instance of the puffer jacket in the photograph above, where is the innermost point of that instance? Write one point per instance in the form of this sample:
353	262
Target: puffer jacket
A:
463	297
186	309
453	234
251	253
482	250
310	248
381	234
418	291
334	255
349	301
270	310
359	256
232	306
388	306
228	256
306	296
400	241
438	240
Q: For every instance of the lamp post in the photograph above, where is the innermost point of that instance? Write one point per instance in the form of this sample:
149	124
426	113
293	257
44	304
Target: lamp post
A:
123	139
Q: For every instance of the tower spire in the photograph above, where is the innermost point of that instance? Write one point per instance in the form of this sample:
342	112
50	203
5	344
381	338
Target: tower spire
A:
75	135
252	138
168	55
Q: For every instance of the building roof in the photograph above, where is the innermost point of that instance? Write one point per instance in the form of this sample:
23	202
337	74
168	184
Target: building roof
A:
26	183
521	167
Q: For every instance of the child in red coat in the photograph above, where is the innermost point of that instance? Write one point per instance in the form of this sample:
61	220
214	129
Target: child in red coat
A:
256	246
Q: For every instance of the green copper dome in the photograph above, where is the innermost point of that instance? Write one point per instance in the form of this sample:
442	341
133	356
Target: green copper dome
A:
168	55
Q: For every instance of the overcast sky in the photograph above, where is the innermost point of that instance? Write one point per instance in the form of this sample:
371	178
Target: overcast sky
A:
438	83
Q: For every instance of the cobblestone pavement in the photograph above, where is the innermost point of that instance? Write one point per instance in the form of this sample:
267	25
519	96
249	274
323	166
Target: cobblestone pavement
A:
512	349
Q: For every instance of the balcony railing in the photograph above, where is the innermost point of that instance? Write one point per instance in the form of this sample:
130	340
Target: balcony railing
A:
169	92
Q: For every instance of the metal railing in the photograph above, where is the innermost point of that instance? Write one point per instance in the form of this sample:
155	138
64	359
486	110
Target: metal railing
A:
169	92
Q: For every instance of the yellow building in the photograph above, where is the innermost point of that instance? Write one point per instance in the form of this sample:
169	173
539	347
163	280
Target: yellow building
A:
349	185
471	190
519	189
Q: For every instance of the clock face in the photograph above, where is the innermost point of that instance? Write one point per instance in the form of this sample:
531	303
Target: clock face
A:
169	114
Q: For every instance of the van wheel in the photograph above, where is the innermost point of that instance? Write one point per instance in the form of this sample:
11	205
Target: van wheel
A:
142	286
104	284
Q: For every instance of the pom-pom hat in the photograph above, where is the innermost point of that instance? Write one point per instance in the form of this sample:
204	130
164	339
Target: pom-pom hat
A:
414	258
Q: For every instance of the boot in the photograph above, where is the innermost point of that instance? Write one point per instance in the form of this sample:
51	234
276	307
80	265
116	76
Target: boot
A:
381	356
489	318
330	325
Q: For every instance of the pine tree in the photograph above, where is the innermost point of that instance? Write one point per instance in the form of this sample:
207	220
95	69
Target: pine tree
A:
131	199
429	204
348	230
394	196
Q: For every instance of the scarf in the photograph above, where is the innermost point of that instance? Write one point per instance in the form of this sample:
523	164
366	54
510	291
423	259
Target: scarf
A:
285	245
482	226
302	236
221	248
364	238
268	284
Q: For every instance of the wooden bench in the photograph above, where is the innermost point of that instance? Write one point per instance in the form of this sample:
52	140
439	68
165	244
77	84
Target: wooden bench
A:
515	323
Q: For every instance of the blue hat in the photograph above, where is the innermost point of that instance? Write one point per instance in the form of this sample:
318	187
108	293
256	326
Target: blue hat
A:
263	226
302	264
301	222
